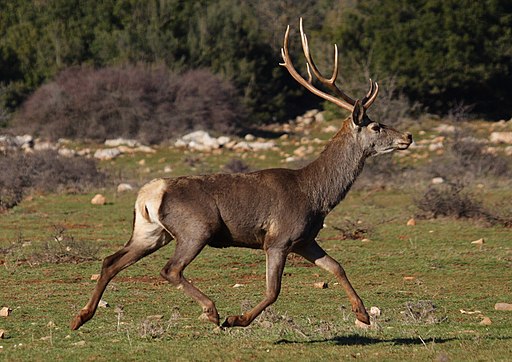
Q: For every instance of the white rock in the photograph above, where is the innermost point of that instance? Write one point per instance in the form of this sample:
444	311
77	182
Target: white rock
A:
223	140
122	187
44	145
319	117
249	137
503	306
437	180
435	146
501	137
375	312
99	199
5	312
180	143
445	128
66	152
122	142
262	146
107	153
25	139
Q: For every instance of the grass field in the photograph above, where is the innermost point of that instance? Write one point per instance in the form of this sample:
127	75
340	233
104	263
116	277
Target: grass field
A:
432	285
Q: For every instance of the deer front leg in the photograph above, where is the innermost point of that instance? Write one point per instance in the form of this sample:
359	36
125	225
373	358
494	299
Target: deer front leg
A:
315	254
276	260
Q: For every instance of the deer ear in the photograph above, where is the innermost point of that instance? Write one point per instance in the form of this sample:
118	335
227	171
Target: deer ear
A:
357	114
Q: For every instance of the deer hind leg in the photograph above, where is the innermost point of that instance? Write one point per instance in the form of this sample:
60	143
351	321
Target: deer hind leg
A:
185	252
147	237
315	254
276	260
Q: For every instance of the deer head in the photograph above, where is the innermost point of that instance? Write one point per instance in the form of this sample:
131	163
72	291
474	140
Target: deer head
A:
374	137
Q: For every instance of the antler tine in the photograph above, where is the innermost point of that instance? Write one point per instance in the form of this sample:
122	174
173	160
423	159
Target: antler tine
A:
287	63
331	82
371	95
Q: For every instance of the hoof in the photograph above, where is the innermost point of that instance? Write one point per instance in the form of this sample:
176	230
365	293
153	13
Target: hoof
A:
210	317
236	321
82	317
76	323
363	317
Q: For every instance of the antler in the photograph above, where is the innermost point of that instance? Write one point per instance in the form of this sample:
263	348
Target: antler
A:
344	101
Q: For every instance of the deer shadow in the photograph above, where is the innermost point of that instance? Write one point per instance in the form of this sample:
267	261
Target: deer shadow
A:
357	340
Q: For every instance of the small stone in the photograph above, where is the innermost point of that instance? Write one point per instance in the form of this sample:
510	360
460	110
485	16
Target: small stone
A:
103	304
95	277
107	154
79	344
503	306
249	137
5	312
124	187
375	312
437	180
411	222
501	137
409	278
479	241
238	285
98	199
321	285
486	321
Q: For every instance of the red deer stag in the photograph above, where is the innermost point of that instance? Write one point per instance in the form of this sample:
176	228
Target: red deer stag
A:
277	210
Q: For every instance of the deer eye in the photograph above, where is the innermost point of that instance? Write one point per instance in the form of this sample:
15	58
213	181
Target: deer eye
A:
374	127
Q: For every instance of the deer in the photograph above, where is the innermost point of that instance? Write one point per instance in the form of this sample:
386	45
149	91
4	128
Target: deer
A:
277	210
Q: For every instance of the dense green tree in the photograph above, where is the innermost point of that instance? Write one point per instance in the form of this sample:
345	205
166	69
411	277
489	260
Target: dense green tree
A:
442	52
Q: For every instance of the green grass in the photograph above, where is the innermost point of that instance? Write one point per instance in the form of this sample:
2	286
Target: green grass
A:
305	324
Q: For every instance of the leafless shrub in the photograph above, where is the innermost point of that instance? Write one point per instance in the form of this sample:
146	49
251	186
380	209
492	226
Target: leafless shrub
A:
421	312
467	159
134	101
151	329
236	165
453	200
270	319
351	230
44	171
60	247
460	111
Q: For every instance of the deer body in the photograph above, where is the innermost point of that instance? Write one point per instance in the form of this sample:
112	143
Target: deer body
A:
276	210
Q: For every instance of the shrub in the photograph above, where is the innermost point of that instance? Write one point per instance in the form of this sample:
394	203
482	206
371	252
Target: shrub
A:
236	165
44	171
134	101
453	200
467	158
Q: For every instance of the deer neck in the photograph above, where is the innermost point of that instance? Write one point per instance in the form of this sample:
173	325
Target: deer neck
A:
328	179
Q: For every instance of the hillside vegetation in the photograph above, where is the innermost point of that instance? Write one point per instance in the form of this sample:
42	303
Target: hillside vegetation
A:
442	55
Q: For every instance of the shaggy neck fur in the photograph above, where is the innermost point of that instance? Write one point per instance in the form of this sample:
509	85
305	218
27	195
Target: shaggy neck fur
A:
328	179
